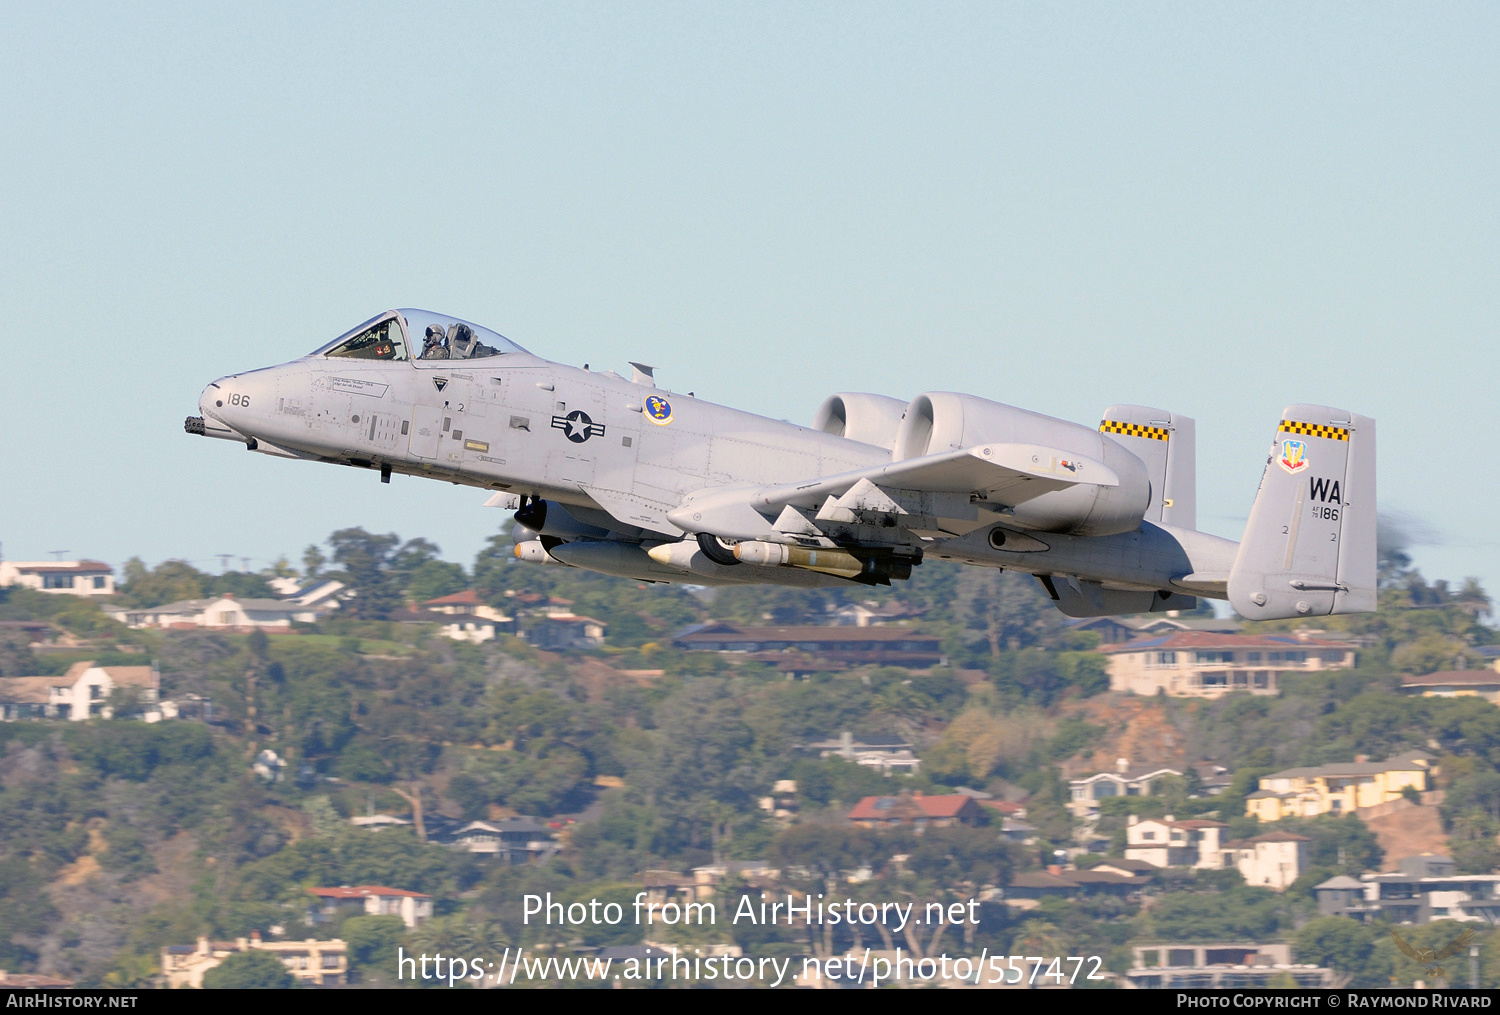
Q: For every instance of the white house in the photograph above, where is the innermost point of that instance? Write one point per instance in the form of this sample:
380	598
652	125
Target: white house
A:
314	963
873	614
516	840
333	904
80	693
376	822
1200	664
225	613
1164	842
1273	860
1125	780
466	617
68	577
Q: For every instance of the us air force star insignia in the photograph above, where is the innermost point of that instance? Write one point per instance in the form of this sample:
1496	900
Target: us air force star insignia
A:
577	426
658	410
440	383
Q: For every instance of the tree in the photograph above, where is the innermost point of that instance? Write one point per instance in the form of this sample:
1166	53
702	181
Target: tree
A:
168	582
16	659
312	562
249	970
366	559
380	569
241	584
957	855
1244	913
434	578
372	940
1343	945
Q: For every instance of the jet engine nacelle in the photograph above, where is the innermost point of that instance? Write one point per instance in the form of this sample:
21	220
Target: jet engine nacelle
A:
939	421
869	419
539	517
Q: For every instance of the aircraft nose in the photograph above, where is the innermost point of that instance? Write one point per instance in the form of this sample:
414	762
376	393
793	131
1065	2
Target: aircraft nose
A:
215	402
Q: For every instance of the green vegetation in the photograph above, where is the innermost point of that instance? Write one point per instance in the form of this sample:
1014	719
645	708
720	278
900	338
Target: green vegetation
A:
119	837
251	970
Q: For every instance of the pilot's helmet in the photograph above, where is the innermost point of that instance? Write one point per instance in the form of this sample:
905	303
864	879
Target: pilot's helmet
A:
435	333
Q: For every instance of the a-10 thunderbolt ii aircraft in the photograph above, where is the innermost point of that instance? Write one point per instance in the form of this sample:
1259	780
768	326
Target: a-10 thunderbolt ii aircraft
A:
621	477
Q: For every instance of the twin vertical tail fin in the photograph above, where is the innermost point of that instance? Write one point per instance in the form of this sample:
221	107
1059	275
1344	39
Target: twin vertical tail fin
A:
1165	442
1309	547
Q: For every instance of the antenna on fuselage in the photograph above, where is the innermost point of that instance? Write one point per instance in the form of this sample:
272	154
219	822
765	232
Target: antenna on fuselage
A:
643	375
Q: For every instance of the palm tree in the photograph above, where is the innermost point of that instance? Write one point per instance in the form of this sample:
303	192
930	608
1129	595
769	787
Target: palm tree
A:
1473	600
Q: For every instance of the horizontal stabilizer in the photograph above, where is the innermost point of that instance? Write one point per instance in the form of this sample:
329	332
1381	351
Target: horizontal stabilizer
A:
1077	598
1213	584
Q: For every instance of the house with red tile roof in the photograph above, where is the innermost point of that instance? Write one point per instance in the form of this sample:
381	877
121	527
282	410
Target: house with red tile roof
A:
465	604
917	810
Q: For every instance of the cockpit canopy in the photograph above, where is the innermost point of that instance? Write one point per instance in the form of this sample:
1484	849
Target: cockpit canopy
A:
417	334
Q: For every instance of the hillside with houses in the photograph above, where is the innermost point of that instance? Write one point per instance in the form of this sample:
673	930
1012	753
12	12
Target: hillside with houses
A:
291	774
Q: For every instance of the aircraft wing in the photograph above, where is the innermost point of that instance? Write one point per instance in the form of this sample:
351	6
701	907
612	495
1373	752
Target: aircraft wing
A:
1007	473
934	493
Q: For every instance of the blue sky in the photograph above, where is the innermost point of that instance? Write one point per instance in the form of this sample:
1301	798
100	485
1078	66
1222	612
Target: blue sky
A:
1218	209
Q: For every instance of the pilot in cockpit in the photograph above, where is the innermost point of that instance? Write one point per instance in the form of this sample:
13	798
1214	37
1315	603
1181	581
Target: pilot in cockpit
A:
435	345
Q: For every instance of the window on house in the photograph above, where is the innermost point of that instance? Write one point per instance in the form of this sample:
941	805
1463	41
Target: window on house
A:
96	691
99	581
57	581
1148	835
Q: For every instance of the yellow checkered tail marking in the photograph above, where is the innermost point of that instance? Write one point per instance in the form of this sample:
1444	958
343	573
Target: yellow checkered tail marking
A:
1152	433
1333	433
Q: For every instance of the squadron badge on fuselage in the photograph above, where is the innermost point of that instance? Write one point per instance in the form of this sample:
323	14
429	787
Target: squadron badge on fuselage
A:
658	410
577	426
